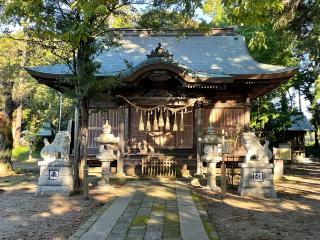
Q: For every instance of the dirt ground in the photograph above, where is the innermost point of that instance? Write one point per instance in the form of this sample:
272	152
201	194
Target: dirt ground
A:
24	216
295	215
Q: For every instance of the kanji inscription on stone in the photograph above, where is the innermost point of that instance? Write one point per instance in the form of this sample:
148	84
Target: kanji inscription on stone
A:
53	174
258	177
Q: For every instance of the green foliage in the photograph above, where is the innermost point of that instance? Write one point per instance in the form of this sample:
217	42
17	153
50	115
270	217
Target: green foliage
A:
185	7
252	13
163	19
21	153
40	103
269	118
312	151
215	10
44	107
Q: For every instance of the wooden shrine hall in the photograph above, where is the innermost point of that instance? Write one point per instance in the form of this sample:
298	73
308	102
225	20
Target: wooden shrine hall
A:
172	86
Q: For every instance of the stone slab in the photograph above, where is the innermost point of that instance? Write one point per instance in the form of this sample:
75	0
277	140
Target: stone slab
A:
50	190
155	226
278	169
104	225
62	180
258	193
55	163
190	222
63	171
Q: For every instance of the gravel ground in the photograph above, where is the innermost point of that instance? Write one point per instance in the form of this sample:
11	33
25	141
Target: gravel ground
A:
295	215
24	216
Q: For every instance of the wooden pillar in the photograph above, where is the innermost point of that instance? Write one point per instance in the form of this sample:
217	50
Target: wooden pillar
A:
121	110
198	134
247	114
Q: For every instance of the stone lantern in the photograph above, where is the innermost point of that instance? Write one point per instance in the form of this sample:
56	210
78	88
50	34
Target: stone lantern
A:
211	156
108	143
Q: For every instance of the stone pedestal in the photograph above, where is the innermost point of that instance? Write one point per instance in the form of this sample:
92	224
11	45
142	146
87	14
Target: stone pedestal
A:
105	173
211	175
55	177
257	180
278	169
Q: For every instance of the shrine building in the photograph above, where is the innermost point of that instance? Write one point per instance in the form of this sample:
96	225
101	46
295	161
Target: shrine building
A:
172	86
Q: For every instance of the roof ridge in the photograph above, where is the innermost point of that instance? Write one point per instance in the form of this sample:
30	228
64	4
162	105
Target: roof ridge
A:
224	31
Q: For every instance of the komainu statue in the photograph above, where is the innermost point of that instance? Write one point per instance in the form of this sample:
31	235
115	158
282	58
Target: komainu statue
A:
254	148
58	149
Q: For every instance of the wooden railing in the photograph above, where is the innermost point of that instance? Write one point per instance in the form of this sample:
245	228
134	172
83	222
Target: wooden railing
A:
165	166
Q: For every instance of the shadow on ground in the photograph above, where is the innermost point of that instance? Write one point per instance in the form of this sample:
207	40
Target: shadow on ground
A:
295	215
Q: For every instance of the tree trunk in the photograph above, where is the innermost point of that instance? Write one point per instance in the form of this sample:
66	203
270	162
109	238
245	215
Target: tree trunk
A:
84	142
316	138
6	138
6	143
77	163
16	129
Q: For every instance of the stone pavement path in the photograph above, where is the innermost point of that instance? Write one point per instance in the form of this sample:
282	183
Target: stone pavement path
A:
151	211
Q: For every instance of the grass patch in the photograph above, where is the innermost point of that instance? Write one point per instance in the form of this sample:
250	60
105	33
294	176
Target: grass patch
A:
171	227
171	230
22	153
12	180
209	230
195	197
158	208
135	203
140	220
208	227
171	217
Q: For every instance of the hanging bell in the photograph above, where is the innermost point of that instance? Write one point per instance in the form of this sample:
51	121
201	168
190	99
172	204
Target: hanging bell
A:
168	122
148	128
175	125
181	122
161	121
155	122
141	124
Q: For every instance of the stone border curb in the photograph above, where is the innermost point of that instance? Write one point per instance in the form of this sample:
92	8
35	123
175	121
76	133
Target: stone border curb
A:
209	228
84	227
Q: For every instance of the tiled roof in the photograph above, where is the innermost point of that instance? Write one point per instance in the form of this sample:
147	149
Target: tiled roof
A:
300	123
204	55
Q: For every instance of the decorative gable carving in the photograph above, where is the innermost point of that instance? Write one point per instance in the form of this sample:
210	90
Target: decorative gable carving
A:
160	52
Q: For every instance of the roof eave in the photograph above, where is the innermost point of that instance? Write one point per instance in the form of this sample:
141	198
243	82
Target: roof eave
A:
290	72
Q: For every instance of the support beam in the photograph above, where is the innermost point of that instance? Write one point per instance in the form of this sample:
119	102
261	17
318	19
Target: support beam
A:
247	114
198	134
121	110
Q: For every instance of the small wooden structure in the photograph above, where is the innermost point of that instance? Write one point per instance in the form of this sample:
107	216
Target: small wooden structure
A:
173	85
295	134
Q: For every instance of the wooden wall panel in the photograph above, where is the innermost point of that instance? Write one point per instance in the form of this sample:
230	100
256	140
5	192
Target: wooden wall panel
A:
97	120
135	136
223	118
